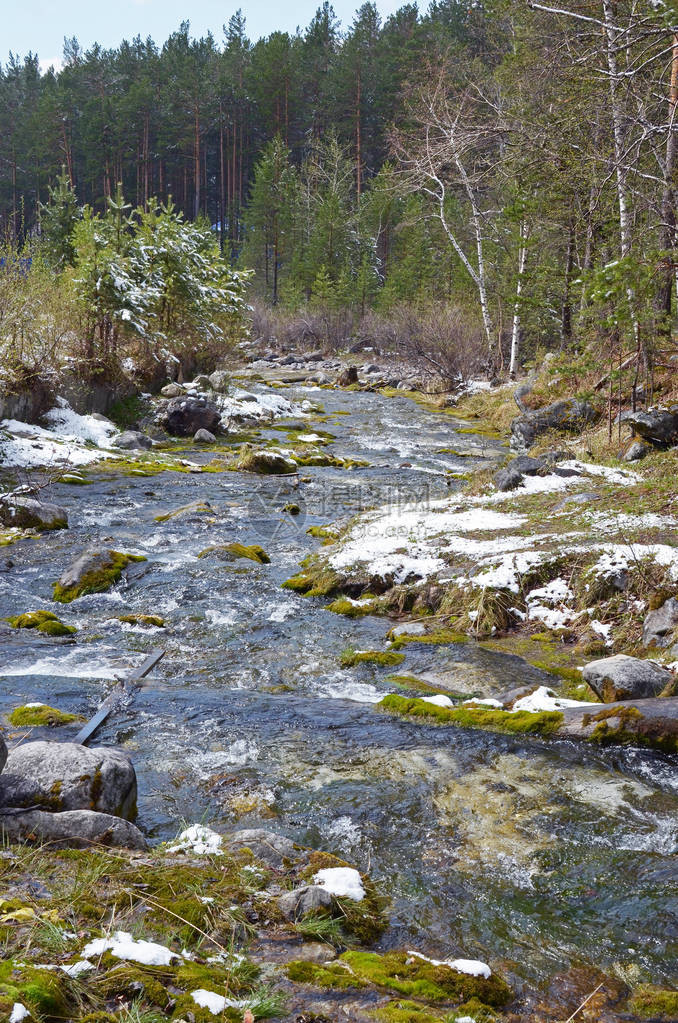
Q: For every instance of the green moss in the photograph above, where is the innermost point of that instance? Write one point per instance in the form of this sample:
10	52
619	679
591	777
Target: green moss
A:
418	978
439	637
344	606
43	621
98	579
413	683
544	723
292	509
139	619
325	533
253	552
329	975
406	1012
264	463
313	582
47	994
41	716
349	658
650	1002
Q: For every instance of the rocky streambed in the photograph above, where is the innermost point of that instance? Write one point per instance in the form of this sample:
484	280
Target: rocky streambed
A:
549	861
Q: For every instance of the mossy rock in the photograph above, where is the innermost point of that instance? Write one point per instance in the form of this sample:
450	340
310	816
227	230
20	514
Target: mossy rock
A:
521	722
253	552
48	995
325	533
43	621
650	1002
265	463
438	638
93	572
350	609
292	509
407	1012
334	975
138	619
418	978
41	716
315	582
350	658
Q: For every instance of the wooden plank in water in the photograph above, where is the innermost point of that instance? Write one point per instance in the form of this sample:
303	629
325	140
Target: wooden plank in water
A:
124	686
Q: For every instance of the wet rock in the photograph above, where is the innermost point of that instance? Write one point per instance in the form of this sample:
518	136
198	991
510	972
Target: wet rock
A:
299	903
58	776
3	753
658	426
568	416
220	381
204	437
265	463
272	849
202	382
94	571
347	377
637	451
25	512
172	390
133	440
659	625
183	417
73	829
625	678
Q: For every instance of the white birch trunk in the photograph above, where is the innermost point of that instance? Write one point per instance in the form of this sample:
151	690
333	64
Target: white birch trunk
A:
515	332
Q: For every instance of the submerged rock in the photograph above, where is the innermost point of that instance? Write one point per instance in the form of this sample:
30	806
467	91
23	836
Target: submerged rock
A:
67	776
272	849
93	572
568	416
72	829
660	625
184	416
133	440
625	678
29	513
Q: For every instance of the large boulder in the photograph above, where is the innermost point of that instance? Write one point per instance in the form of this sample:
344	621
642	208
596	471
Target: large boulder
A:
625	678
73	829
58	776
348	376
658	426
299	903
28	513
93	572
184	416
660	625
568	416
132	440
511	475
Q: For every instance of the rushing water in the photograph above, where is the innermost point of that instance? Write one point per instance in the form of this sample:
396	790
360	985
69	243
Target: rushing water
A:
533	856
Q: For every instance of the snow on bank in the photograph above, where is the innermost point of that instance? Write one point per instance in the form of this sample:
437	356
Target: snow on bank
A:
341	881
70	438
215	1003
262	405
545	699
198	839
123	946
471	966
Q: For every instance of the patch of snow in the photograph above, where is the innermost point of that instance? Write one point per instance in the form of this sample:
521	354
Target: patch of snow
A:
18	1013
123	946
555	592
341	881
438	700
214	1002
72	426
553	618
487	702
602	629
198	839
75	969
545	699
471	966
71	439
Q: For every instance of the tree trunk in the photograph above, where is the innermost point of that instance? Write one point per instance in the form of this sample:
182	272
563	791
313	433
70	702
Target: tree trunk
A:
515	332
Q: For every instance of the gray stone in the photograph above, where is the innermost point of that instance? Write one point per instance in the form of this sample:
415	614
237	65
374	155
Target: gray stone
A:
202	382
220	381
659	625
3	753
637	451
58	776
658	426
316	356
267	846
183	417
204	437
29	513
91	560
133	440
73	829
625	678
567	416
302	901
584	498
172	390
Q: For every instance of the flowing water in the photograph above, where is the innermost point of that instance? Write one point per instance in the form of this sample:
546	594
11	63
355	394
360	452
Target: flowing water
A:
533	856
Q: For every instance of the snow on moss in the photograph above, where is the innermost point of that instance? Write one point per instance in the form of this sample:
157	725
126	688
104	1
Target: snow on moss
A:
341	881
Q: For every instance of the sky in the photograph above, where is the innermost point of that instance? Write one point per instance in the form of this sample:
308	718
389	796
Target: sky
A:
40	25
